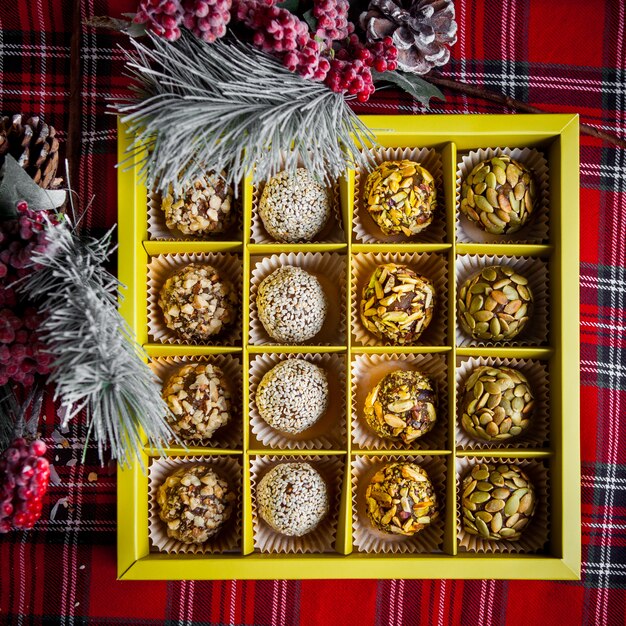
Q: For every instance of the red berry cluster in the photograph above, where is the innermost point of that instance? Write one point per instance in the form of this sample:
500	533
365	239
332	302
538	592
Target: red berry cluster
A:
24	477
162	17
307	61
332	19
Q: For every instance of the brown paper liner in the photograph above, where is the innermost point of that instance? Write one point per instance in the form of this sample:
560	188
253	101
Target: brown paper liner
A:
368	370
536	231
161	267
432	265
329	269
535	270
321	538
329	432
228	436
535	535
536	435
365	229
366	537
227	539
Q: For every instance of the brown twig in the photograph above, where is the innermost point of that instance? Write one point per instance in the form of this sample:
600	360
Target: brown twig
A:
499	98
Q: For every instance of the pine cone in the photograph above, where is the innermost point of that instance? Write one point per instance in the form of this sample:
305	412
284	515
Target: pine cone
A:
34	146
421	33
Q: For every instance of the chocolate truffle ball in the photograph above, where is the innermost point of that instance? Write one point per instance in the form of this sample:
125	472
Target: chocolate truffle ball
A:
291	305
294	207
205	208
194	502
292	396
397	304
198	303
401	197
402	406
495	304
292	498
498	501
401	499
199	397
498	403
499	195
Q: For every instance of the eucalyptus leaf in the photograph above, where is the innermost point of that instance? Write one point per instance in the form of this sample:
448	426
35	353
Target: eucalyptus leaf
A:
311	20
417	87
291	5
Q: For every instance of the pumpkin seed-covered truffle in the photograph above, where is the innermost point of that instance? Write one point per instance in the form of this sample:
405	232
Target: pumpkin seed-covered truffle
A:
498	501
401	499
495	304
402	406
397	304
499	195
401	197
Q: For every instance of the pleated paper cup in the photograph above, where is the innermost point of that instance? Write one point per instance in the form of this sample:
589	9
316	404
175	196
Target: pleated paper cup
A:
227	539
369	369
536	230
329	269
535	535
535	270
365	229
230	435
366	537
320	539
161	267
330	430
537	434
432	265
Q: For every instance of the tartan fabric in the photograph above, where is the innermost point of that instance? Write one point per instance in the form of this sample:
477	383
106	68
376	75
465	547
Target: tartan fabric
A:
563	56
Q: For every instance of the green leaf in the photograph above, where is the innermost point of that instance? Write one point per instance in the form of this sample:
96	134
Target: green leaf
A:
291	5
311	20
419	88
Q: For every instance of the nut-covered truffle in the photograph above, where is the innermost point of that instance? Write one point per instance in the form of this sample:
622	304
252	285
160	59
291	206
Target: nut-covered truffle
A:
397	303
291	305
401	197
401	499
498	403
294	207
402	406
194	502
499	195
498	501
199	397
495	304
197	302
292	396
292	498
205	208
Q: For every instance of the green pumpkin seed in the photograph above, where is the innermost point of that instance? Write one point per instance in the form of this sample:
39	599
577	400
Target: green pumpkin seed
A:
496	522
478	497
483	204
490	179
493	506
482	527
507	532
483	316
484	516
495	327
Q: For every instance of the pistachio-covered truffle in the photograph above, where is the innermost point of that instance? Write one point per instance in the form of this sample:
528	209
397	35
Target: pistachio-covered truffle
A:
291	305
194	502
495	304
498	403
401	499
402	406
401	197
499	195
292	396
397	304
294	207
198	303
498	501
292	498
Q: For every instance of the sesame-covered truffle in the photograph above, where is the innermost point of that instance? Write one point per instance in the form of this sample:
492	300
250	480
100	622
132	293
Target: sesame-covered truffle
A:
292	396
397	304
292	498
401	197
401	499
291	305
203	209
402	406
199	397
194	502
197	302
294	207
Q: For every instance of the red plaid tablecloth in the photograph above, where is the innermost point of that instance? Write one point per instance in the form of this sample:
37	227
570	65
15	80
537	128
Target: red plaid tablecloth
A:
564	56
